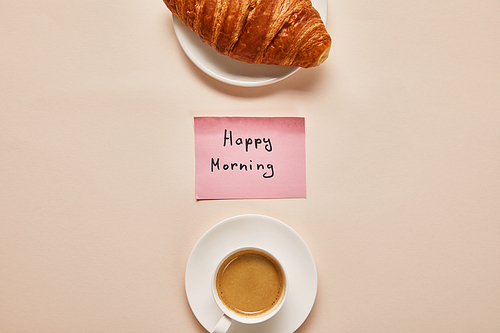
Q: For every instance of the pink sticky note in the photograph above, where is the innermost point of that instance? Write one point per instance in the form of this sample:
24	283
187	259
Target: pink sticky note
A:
250	157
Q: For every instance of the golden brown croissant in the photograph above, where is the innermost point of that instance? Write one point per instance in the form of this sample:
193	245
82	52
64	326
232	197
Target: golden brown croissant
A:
278	32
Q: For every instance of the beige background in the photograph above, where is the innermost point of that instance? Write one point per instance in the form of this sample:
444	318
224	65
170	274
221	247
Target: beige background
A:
97	207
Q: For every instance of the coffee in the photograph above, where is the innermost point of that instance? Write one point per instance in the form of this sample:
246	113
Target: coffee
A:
250	283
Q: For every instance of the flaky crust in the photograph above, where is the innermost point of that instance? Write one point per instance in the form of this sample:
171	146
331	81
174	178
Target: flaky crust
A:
278	32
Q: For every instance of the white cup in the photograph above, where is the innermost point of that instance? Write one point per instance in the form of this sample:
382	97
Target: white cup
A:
229	315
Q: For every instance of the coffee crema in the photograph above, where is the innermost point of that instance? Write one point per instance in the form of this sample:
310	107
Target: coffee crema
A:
250	283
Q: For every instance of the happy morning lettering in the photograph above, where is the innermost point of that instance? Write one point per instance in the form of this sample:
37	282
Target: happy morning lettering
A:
247	144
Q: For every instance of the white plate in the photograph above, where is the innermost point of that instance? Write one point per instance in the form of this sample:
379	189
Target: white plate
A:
264	232
232	71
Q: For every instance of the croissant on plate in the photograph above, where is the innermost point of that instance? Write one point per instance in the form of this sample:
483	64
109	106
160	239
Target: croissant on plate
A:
277	32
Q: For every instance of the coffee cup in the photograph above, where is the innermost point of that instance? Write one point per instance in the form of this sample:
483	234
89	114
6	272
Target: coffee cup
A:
249	285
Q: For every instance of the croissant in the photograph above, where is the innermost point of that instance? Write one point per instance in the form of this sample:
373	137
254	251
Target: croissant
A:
277	32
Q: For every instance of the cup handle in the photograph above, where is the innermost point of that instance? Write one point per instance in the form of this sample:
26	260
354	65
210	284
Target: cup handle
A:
223	324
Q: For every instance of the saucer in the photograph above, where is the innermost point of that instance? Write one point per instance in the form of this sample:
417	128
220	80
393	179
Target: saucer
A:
269	234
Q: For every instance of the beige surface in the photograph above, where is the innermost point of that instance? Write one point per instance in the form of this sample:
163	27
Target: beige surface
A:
97	207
